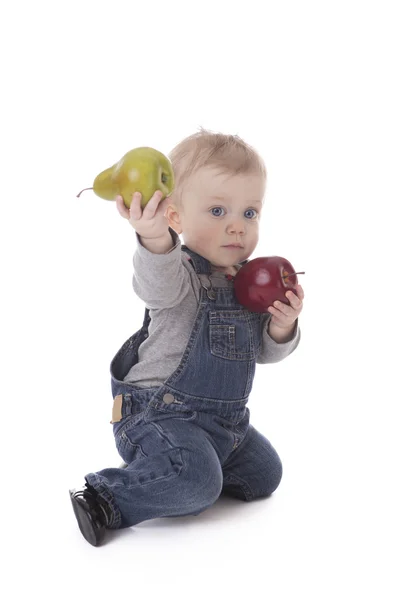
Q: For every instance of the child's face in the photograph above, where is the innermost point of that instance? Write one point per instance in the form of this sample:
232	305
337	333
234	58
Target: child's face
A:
218	210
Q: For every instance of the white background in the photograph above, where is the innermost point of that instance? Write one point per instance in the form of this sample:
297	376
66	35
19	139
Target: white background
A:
314	86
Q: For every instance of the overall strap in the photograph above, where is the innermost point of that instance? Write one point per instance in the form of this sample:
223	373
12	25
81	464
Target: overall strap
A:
201	265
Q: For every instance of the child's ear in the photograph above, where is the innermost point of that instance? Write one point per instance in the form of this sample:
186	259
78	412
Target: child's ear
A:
172	215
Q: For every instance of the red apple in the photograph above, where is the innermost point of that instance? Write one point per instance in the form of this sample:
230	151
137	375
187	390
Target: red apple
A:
262	281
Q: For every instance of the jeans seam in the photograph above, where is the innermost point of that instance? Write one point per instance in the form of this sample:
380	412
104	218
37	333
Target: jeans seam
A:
243	484
109	498
128	444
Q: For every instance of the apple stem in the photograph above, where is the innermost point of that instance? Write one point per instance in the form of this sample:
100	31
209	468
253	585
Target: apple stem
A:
84	190
299	273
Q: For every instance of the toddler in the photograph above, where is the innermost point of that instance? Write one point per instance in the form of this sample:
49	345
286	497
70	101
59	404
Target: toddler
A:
182	382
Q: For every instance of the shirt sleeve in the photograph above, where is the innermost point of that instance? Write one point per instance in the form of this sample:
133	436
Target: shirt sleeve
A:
160	280
271	351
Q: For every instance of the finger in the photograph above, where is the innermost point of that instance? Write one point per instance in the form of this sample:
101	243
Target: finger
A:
278	317
300	291
294	300
283	308
122	209
135	211
164	203
151	207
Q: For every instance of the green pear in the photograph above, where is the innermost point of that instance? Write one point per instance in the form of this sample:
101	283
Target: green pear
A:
143	170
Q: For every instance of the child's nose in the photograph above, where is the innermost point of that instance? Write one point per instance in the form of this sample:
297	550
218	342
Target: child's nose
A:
236	226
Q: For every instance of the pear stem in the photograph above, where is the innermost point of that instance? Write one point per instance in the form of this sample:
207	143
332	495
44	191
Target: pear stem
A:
84	190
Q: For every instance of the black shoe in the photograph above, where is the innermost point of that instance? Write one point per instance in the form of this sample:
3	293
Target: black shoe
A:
91	513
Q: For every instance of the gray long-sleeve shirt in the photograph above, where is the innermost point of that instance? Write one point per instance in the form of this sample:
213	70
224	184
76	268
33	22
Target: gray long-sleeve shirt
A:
170	288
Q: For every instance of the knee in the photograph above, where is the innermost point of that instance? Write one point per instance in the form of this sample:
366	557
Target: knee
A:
199	484
207	490
270	479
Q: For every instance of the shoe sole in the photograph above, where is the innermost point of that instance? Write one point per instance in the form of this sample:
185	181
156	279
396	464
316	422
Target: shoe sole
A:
85	522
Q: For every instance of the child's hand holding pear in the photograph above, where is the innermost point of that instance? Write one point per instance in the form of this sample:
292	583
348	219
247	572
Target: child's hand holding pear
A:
149	222
140	183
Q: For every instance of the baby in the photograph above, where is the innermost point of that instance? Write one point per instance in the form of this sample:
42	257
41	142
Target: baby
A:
182	382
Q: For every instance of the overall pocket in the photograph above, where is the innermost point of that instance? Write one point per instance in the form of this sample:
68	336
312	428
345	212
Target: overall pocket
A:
237	428
135	409
161	411
151	451
232	334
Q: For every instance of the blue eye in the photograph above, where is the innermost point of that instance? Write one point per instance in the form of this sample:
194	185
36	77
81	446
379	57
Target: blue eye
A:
216	208
247	211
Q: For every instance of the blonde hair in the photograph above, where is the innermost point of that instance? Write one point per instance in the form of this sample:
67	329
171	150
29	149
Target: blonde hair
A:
228	153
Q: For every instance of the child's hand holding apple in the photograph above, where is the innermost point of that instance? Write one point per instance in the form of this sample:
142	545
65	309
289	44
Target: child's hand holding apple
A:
269	284
284	315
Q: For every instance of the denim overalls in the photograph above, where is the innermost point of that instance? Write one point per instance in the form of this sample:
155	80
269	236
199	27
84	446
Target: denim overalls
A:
188	440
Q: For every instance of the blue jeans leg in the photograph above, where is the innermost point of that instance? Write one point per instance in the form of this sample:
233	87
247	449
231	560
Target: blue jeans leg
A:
253	470
173	470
